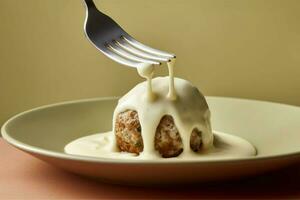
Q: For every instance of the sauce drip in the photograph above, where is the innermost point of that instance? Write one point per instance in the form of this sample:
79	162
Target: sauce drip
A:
172	92
147	71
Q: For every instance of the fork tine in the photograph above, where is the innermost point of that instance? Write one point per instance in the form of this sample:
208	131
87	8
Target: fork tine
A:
126	46
125	50
146	48
129	55
120	59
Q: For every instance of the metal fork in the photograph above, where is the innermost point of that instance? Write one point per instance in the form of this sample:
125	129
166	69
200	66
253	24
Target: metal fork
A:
108	37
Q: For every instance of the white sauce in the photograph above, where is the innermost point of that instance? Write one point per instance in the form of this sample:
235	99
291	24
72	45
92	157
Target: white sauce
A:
147	71
189	111
153	99
100	145
172	92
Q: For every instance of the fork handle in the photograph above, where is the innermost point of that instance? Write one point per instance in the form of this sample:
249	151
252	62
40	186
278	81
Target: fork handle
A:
89	4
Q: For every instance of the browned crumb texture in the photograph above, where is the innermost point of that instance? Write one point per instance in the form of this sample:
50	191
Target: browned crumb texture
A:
128	132
196	140
167	138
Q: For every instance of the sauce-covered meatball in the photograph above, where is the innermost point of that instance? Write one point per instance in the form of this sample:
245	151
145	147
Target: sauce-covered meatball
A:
167	137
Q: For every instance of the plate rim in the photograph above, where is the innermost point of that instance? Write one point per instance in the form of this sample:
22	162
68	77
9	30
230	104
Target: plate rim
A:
40	151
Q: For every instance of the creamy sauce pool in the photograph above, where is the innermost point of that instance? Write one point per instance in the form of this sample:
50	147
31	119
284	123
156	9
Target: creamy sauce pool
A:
153	99
100	145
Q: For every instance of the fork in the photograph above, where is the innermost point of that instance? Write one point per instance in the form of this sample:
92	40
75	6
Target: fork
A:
109	38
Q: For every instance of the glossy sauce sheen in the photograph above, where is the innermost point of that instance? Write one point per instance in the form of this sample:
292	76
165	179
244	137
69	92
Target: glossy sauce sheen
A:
189	111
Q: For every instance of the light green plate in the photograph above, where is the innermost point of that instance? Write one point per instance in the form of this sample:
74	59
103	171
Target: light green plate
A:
273	128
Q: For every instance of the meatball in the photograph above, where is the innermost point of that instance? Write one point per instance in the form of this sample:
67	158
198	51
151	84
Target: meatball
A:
196	140
167	139
128	132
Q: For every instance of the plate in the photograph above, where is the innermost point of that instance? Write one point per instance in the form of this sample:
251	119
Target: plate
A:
274	129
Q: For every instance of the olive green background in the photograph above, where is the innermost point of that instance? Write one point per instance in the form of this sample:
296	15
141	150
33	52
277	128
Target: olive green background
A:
240	48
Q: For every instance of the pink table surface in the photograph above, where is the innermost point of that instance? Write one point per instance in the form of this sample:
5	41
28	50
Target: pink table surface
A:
25	177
